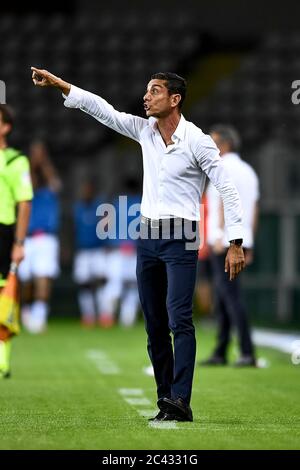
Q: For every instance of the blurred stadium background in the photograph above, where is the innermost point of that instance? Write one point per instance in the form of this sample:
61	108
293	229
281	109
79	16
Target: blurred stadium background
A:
240	59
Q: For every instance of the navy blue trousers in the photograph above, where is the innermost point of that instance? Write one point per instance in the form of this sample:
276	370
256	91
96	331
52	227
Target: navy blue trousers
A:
166	273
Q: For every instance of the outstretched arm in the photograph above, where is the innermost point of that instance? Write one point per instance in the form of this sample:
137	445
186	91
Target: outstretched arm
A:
126	124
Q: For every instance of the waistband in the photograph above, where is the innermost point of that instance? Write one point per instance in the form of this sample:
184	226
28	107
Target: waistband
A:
7	228
157	223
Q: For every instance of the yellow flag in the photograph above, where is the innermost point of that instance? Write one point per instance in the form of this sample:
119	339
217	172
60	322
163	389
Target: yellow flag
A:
9	303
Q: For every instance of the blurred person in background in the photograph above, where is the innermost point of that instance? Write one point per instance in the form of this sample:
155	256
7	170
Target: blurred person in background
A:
230	309
177	156
41	264
121	287
90	262
15	205
204	272
113	287
129	303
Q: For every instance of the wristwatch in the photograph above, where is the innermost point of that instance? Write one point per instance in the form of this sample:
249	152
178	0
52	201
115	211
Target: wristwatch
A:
19	242
237	241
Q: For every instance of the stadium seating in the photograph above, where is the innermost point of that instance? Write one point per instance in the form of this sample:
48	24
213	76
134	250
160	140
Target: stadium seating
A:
106	54
115	56
257	97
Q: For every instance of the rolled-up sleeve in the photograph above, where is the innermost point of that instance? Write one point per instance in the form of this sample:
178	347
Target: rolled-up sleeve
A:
123	123
208	158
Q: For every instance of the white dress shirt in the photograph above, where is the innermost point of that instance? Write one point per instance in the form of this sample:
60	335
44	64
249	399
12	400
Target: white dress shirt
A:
246	182
174	175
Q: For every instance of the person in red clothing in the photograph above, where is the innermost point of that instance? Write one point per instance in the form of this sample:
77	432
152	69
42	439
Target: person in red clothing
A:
203	286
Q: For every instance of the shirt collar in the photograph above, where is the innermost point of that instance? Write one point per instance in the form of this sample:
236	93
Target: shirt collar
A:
231	155
179	131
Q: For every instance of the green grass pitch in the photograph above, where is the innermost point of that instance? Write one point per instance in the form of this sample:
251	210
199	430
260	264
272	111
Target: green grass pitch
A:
77	389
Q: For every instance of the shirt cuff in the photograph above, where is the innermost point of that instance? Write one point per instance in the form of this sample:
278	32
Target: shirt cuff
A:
74	97
234	232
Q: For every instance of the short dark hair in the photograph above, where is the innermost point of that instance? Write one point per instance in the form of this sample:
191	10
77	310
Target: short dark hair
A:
175	84
7	114
227	134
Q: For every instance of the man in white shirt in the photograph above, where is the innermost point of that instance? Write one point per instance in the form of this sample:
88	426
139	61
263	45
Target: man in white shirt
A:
177	156
229	306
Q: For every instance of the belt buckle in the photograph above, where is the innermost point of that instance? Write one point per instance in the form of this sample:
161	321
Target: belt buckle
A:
154	223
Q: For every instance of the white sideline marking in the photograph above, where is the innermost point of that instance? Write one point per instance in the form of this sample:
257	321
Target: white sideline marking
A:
147	413
131	391
103	363
106	366
130	396
137	401
162	424
148	370
280	341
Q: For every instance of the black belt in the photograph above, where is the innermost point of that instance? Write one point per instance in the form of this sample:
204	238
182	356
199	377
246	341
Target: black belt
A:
157	223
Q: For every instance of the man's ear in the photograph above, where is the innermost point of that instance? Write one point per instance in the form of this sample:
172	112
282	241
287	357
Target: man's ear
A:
175	100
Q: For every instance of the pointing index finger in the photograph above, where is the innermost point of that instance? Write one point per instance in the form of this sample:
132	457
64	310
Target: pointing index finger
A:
35	69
